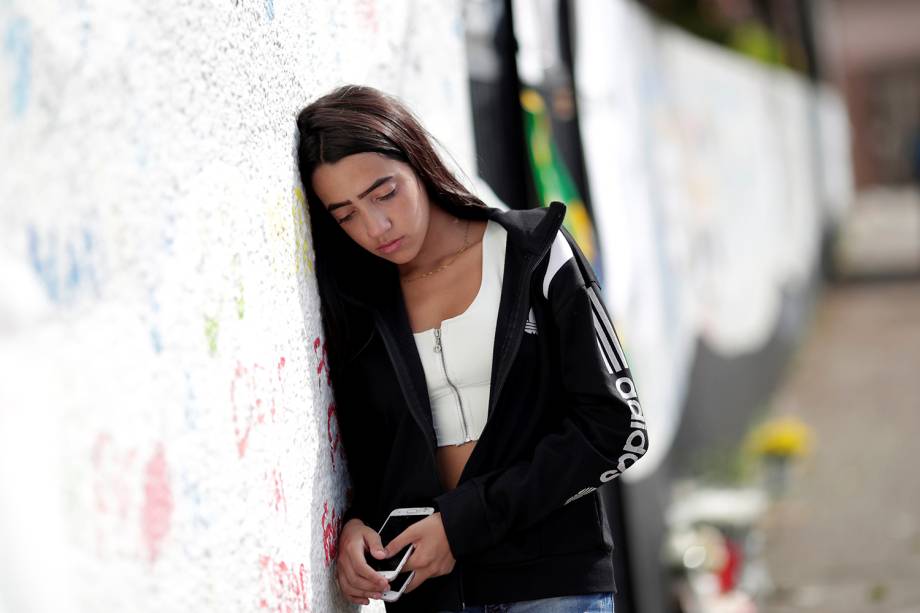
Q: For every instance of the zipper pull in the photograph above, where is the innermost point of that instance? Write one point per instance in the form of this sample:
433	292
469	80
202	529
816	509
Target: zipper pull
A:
437	340
460	583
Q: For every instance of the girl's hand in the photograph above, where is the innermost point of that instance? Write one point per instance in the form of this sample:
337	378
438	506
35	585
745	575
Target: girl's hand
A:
431	556
357	580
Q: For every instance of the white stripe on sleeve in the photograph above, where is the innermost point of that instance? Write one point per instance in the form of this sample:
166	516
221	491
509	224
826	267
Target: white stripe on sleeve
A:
559	255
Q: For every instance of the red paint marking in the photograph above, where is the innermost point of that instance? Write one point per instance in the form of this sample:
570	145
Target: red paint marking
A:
156	513
332	432
323	364
279	499
280	367
283	588
242	435
367	10
111	485
103	440
330	533
251	391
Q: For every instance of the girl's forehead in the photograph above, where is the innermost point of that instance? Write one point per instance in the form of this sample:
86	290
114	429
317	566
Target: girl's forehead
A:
353	175
357	164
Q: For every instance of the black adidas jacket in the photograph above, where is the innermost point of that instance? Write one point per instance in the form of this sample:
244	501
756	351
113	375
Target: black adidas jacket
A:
564	419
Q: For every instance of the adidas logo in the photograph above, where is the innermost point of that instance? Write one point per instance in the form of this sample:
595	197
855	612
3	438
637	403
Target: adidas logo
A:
579	494
530	326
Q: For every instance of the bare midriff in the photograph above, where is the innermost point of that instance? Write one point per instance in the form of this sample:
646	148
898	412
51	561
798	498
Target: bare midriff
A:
451	460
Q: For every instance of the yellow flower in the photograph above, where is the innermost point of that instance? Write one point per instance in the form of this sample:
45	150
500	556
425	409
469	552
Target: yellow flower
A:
783	436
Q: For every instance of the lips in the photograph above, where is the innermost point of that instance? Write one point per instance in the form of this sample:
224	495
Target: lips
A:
391	246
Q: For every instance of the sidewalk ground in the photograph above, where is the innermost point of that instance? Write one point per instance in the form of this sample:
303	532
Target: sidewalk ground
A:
846	537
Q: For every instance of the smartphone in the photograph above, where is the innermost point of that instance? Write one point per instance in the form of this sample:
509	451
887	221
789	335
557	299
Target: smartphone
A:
397	585
398	520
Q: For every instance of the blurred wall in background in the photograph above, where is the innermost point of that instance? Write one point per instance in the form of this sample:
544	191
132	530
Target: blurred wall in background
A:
713	178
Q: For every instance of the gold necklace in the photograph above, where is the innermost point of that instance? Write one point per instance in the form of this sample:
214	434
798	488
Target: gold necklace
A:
465	246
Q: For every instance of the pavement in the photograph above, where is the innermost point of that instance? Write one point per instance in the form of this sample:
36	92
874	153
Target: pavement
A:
846	535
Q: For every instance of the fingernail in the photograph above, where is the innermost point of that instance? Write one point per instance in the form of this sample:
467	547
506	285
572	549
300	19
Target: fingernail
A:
381	552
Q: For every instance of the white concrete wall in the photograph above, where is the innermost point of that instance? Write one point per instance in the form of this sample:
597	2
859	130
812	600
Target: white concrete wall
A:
167	433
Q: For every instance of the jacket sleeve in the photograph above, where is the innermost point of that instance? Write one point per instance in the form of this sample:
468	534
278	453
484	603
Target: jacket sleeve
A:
602	434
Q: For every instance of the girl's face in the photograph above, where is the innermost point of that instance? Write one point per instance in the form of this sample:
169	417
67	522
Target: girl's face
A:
378	201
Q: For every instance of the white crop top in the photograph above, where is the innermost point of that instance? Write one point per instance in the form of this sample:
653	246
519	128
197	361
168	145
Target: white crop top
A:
457	357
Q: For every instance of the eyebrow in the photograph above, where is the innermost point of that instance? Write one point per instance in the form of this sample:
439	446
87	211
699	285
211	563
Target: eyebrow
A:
373	186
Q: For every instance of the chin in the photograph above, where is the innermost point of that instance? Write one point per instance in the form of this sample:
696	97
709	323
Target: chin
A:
396	258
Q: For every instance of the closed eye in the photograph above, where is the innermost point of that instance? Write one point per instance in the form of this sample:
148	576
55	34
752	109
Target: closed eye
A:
384	197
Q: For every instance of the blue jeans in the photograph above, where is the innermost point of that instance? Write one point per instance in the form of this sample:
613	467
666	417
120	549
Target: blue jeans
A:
582	603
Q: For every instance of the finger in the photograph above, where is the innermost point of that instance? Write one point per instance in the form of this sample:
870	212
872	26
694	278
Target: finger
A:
363	595
373	544
359	572
365	576
401	540
370	582
350	591
417	580
357	600
415	560
352	595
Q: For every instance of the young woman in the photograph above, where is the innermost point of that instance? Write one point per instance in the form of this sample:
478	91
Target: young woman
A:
475	370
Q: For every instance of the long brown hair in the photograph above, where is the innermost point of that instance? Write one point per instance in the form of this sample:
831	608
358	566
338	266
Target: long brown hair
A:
357	119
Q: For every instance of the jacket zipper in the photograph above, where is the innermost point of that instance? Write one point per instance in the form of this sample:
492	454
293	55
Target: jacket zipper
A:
439	349
460	583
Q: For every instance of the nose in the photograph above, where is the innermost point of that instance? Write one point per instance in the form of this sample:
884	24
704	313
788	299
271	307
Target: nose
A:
377	224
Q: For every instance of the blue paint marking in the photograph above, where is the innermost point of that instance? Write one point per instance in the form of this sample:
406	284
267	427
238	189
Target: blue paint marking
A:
88	245
168	232
73	274
44	264
18	44
191	491
191	407
458	26
156	340
152	298
85	29
270	9
82	262
65	268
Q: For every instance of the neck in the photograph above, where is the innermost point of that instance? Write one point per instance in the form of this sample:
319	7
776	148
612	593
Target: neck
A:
443	239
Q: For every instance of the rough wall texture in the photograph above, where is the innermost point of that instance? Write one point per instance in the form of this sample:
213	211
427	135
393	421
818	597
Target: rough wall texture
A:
168	438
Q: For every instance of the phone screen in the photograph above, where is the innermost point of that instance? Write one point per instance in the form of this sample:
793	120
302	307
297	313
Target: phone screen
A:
398	583
392	527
